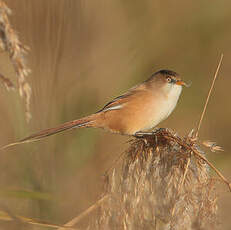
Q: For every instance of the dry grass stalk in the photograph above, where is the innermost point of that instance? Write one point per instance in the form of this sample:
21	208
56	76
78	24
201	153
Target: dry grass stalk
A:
6	215
209	93
84	214
9	42
194	148
158	187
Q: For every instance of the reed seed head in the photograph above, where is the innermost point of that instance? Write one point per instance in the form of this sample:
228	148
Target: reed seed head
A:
159	185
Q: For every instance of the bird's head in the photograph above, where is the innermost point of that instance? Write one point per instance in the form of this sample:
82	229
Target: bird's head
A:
169	77
166	78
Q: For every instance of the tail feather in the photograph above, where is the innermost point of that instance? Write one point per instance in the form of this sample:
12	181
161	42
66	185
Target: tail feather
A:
80	123
83	122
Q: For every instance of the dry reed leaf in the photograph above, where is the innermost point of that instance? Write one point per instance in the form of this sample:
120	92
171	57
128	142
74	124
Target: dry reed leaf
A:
10	43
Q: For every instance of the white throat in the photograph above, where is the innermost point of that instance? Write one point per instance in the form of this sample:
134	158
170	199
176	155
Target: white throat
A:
166	104
172	95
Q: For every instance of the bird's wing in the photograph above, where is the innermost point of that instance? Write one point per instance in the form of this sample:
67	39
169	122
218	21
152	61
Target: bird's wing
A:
118	102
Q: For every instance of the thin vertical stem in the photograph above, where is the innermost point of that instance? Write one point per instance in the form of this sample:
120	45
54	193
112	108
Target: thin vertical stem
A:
210	91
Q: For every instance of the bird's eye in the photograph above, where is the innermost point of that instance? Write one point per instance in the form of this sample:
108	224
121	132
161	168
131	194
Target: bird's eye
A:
169	79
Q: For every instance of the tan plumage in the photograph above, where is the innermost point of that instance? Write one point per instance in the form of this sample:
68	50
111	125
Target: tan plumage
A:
139	109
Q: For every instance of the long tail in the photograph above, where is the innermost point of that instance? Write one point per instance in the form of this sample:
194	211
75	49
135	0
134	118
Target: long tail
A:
79	123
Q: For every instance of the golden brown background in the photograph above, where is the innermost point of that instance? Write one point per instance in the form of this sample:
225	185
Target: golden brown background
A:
84	53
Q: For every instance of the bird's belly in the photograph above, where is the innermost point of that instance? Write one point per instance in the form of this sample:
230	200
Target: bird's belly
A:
159	112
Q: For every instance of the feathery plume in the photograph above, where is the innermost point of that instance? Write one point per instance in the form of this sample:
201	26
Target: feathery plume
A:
10	43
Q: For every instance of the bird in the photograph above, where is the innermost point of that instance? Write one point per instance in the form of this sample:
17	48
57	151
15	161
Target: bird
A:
139	109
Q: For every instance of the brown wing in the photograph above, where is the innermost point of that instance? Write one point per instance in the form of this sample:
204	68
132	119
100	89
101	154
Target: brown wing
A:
115	102
122	99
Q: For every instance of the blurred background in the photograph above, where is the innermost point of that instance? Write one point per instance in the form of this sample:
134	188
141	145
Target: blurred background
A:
84	53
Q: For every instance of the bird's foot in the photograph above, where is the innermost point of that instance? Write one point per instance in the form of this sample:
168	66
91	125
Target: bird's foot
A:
159	130
155	131
142	134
